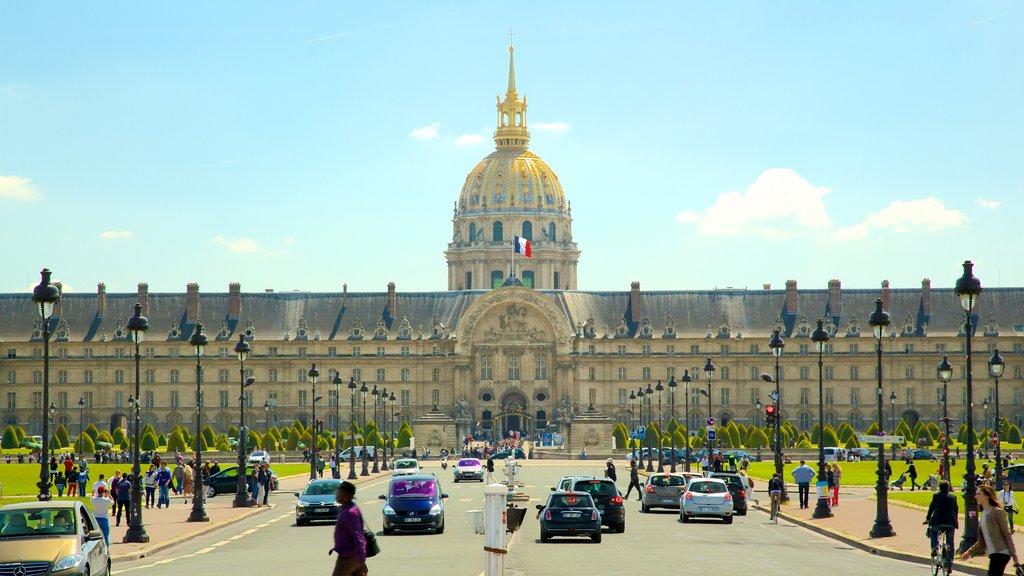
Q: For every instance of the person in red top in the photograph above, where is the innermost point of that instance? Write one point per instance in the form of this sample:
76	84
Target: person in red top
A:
349	541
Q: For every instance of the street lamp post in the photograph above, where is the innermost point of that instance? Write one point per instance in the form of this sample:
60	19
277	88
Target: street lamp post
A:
198	341
387	436
777	344
892	422
81	423
242	350
266	422
394	435
686	393
362	391
709	372
757	424
647	443
995	370
137	326
945	371
984	424
661	424
45	296
632	424
337	423
649	394
672	411
882	528
352	429
376	433
313	373
967	289
821	509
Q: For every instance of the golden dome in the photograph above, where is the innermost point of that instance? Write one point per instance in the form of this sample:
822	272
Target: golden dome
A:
511	178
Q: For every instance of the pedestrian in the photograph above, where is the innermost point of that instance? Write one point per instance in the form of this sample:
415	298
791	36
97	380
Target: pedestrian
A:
802	475
888	470
83	481
268	484
101	510
349	540
705	465
254	484
1009	502
942	519
830	483
609	470
179	479
837	475
163	484
490	470
745	463
149	480
994	538
101	482
748	482
634	481
72	476
59	480
912	472
261	483
186	480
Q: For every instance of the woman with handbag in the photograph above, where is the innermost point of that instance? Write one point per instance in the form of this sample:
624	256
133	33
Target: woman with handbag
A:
994	538
349	537
1009	502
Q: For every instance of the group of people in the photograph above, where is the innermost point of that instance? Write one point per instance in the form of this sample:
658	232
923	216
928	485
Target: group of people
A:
803	475
995	526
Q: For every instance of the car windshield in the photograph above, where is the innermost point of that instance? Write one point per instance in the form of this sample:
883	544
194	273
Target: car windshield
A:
57	521
413	489
604	488
319	489
667	481
405	464
732	481
707	487
469	462
571	501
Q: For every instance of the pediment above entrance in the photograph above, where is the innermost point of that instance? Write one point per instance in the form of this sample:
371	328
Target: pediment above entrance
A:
514	315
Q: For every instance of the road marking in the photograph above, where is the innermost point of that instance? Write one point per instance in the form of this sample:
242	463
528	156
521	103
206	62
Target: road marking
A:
205	550
221	543
264	525
236	537
249	531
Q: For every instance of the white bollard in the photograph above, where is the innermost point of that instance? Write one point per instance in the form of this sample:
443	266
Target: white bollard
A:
495	529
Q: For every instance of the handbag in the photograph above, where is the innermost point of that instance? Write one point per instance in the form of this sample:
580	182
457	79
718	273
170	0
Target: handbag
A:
1019	571
372	548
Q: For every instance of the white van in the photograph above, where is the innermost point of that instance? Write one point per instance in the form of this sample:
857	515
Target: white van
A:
834	454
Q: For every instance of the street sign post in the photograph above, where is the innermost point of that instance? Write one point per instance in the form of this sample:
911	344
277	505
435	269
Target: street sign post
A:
641	432
869	439
710	421
711	432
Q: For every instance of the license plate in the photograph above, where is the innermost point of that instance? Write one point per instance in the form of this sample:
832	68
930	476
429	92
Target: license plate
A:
708	509
413	519
571	515
669	500
322	510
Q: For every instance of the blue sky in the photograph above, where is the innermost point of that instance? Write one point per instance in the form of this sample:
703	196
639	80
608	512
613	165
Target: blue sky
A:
702	145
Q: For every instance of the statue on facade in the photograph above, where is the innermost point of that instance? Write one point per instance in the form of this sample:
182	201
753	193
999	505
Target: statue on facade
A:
462	409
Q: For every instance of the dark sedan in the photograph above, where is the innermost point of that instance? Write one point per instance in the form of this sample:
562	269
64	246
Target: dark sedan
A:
226	481
608	500
569	514
519	454
317	502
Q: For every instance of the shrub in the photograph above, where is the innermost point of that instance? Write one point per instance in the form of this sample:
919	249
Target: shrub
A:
233	431
852	442
1013	434
209	435
87	445
62	434
804	444
118	436
161	440
10	438
104	436
92	431
619	433
872	429
829	437
222	445
201	441
149	441
293	440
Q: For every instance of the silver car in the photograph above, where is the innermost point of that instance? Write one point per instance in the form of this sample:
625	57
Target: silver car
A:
706	498
664	489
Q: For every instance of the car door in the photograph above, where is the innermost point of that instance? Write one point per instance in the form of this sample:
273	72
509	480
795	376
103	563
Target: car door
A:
94	550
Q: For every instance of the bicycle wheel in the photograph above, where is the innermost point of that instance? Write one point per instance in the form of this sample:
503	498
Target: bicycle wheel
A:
937	568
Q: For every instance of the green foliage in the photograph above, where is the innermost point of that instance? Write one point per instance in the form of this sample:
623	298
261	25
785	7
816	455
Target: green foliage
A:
87	445
323	444
10	439
306	439
733	432
921	431
872	429
680	437
1012	434
755	435
62	434
209	435
670	427
148	428
655	432
829	436
815	433
92	431
19	432
54	443
852	442
845	432
925	441
253	440
176	442
233	431
618	432
804	444
293	440
161	440
201	441
404	436
222	444
902	429
104	436
125	444
149	441
118	435
961	433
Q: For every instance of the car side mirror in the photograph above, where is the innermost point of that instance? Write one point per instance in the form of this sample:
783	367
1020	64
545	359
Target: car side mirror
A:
296	494
539	507
93	536
444	495
381	497
552	488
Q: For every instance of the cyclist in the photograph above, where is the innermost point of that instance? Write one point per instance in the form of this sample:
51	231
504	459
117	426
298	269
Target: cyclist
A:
943	517
775	493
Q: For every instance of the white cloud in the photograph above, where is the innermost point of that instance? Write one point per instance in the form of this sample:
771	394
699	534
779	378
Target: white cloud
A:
469	140
116	234
240	245
984	203
426	132
905	216
552	126
779	204
18	188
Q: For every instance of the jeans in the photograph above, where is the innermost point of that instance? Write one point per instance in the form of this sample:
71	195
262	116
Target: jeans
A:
933	535
60	490
119	507
104	524
165	496
804	489
150	491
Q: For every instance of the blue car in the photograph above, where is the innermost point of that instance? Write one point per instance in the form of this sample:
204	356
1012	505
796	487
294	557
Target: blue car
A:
414	503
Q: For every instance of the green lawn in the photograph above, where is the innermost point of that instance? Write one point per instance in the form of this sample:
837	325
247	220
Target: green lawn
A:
863	473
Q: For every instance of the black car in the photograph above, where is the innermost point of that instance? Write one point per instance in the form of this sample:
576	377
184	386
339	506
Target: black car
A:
317	501
226	481
1015	475
608	500
569	514
737	488
519	454
920	454
414	502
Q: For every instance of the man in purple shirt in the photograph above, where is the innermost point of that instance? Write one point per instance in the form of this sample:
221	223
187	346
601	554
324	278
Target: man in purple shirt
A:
349	542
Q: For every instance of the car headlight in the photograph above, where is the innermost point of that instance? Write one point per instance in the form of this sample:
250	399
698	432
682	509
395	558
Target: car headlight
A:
388	510
68	562
435	509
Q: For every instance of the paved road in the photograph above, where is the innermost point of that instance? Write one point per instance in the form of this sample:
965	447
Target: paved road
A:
271	543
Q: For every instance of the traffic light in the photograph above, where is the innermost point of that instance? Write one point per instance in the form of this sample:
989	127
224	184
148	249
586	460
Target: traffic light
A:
770	414
319	425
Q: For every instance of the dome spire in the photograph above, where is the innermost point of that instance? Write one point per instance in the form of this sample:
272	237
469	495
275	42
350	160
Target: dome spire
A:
511	66
511	131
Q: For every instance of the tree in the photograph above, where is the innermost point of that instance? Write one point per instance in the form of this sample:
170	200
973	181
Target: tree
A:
62	434
10	439
118	436
804	443
149	441
92	431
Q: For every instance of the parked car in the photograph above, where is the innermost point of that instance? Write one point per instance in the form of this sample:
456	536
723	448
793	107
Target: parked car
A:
55	537
920	454
706	498
646	452
569	514
663	490
469	469
565	484
317	501
1015	474
414	503
404	466
859	454
259	457
226	481
666	455
834	454
608	499
347	453
519	454
737	488
739	454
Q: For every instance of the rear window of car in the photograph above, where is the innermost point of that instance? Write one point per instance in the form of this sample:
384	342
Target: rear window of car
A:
405	464
602	487
702	487
732	481
667	481
469	462
570	501
417	488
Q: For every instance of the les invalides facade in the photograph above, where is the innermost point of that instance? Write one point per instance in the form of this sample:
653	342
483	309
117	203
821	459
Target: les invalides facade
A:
496	352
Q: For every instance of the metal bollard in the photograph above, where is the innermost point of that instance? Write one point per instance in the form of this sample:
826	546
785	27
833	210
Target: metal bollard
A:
495	528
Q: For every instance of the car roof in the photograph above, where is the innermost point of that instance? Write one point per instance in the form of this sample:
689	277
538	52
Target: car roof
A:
407	460
569	493
70	504
716	480
326	481
407	477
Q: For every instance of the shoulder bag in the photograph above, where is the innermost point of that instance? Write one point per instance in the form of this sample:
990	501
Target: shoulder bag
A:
372	548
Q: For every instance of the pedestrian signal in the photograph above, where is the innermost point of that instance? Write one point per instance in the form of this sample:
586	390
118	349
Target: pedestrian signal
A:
770	414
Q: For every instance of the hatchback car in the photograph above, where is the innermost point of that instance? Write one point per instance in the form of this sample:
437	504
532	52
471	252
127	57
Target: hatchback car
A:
738	489
565	484
226	481
414	503
608	500
664	489
259	457
404	466
708	498
569	514
55	537
518	454
317	502
469	469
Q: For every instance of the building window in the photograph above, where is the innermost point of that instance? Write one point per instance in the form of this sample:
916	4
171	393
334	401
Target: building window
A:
223	398
854	396
332	351
805	396
173	401
303	397
12	401
12	353
357	351
755	348
514	366
805	421
623	396
12	377
380	374
272	351
621	349
118	399
404	350
591	349
591	373
486	367
222	375
37	376
404	395
694	348
670	372
118	376
645	373
909	372
724	348
854	348
593	396
805	348
272	375
380	352
829	372
302	374
622	373
805	373
357	373
829	396
497	278
724	372
910	396
670	350
435	395
150	376
557	281
854	373
174	377
404	374
148	397
62	376
724	394
645	349
87	377
541	368
497	232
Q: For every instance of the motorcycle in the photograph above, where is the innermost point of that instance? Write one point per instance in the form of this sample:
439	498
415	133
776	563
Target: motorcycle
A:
444	463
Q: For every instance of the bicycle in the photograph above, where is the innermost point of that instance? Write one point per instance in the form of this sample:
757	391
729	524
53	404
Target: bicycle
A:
942	559
776	498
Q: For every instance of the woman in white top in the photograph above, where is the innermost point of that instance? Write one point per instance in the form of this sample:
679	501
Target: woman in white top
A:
101	504
749	483
1009	502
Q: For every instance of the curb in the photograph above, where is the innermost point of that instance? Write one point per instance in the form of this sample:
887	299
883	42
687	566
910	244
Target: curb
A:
206	529
867	547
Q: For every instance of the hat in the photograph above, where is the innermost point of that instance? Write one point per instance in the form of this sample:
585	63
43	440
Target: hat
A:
100	489
609	460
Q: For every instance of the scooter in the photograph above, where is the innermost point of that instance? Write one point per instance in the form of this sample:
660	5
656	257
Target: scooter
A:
444	463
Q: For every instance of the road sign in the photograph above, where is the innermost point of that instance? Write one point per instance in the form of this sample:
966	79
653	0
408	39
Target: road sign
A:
632	435
711	434
995	435
710	421
641	433
868	439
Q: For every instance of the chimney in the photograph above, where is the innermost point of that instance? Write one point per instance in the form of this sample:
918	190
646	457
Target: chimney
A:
885	296
234	300
344	295
191	302
144	297
835	292
792	304
766	286
101	299
634	300
926	296
392	300
58	308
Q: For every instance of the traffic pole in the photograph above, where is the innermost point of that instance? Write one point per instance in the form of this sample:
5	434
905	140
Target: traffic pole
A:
495	529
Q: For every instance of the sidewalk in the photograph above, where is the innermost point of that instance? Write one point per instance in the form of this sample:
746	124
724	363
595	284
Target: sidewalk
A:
853	519
168	527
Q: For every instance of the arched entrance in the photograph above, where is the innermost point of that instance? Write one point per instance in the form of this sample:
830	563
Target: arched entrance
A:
513	416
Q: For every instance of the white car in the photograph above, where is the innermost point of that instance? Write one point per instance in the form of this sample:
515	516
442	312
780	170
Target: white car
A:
706	497
469	469
259	457
405	466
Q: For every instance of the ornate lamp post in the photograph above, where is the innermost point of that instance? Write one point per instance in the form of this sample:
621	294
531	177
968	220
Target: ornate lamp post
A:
995	370
242	350
384	416
757	424
362	391
632	425
137	326
352	429
376	434
81	422
984	424
821	509
661	423
709	372
892	422
394	435
882	528
686	393
198	341
647	442
967	289
649	395
945	371
313	373
777	344
672	411
45	296
266	422
337	422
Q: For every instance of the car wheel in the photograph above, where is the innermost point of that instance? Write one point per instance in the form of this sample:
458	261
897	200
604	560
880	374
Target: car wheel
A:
742	512
683	518
210	492
596	538
544	538
644	508
455	480
727	519
388	531
300	522
440	529
621	527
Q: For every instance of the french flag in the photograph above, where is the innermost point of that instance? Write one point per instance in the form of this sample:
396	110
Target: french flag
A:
522	246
